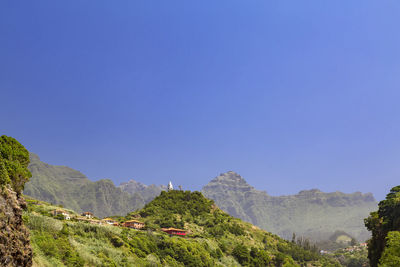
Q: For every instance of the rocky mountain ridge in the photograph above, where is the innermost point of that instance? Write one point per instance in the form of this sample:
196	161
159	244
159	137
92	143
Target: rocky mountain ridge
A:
62	185
311	213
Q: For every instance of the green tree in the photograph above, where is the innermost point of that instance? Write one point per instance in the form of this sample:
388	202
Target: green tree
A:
391	254
242	254
381	222
14	161
259	258
294	238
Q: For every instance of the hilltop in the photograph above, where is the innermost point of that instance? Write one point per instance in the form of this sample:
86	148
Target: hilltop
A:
311	213
213	238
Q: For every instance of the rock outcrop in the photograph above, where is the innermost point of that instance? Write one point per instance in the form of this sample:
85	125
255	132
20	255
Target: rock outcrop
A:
310	213
15	249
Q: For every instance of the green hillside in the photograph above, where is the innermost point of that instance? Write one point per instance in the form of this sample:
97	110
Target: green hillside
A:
311	213
214	238
70	188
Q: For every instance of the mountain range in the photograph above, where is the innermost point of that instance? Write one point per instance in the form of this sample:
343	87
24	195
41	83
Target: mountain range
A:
62	185
310	213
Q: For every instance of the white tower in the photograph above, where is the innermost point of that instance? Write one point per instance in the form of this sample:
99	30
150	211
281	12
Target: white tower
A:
170	187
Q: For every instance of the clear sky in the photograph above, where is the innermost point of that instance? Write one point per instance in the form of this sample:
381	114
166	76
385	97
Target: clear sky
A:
292	95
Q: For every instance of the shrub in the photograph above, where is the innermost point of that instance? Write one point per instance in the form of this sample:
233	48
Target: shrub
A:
241	253
14	161
116	241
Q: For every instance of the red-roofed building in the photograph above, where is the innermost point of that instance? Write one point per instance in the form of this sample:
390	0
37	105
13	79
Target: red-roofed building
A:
174	231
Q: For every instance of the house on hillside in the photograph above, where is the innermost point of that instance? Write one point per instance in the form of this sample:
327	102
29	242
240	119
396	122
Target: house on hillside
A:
88	214
110	221
62	212
133	224
174	231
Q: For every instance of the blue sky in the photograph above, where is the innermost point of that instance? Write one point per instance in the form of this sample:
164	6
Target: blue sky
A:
292	95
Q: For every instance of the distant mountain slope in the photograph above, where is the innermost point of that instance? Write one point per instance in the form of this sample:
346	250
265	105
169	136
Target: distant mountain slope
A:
311	213
147	192
70	188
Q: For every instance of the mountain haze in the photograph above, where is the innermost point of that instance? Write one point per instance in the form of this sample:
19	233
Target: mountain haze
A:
309	213
62	185
147	192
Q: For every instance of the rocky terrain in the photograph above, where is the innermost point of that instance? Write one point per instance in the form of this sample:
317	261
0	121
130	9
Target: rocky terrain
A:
311	213
15	249
62	185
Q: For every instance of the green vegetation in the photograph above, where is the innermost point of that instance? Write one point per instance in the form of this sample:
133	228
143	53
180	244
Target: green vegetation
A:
14	160
61	185
353	256
312	213
391	254
384	224
214	238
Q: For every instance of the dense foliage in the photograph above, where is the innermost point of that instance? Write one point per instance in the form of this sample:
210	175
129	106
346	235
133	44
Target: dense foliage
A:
391	254
381	223
14	161
353	256
214	238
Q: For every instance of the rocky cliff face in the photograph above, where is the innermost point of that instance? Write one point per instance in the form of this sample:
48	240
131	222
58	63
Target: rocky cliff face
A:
15	249
311	213
72	189
147	192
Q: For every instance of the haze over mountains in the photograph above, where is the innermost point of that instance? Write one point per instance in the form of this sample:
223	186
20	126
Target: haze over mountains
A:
310	213
72	189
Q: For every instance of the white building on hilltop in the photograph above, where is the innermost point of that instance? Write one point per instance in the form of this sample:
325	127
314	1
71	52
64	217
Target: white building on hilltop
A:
170	187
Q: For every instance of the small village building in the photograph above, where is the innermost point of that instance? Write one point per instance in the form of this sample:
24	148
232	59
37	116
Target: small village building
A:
62	212
110	221
135	224
88	214
174	231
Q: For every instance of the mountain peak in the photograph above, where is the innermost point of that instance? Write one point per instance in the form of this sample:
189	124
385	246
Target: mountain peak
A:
33	157
133	185
230	176
230	181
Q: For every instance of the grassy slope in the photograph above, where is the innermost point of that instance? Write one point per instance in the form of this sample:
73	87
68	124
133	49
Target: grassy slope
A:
215	238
